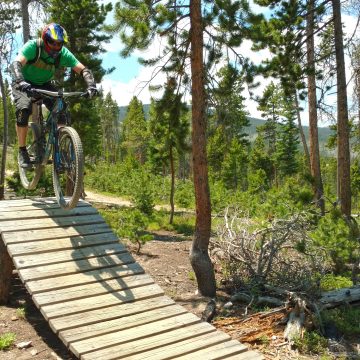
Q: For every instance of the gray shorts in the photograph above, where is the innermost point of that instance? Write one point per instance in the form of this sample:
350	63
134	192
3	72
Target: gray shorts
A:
22	101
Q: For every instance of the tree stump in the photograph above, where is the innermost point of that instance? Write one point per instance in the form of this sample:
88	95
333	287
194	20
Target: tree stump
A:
5	273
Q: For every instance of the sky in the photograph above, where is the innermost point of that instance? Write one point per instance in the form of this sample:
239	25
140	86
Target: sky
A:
131	79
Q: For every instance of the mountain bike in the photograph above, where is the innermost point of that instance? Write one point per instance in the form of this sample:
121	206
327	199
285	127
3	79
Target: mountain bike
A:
52	141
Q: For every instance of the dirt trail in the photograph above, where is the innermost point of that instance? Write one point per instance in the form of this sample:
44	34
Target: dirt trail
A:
93	197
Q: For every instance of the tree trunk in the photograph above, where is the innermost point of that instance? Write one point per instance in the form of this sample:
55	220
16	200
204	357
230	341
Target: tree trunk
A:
172	190
313	120
302	135
6	126
342	115
25	20
199	255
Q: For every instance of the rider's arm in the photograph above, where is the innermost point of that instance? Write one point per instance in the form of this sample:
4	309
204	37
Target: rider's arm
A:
16	72
88	77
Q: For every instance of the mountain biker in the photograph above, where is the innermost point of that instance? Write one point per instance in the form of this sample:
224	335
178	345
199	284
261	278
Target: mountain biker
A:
29	70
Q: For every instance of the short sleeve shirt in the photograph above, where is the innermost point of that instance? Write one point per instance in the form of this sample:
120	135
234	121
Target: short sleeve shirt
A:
43	70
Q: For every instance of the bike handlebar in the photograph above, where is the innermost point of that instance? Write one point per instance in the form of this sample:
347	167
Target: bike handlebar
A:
59	93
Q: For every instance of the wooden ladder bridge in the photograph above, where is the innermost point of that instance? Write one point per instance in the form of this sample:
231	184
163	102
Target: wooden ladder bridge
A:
93	294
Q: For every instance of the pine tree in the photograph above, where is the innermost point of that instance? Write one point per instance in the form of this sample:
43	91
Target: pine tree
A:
169	127
227	123
235	166
260	161
109	119
269	105
288	148
135	135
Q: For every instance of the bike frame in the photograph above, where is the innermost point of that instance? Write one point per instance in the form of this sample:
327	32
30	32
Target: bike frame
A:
50	125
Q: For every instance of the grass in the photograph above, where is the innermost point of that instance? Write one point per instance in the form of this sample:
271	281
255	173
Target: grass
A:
191	276
117	219
7	340
21	312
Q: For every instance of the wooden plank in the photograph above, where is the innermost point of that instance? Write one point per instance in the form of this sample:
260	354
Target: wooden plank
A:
30	236
75	242
61	282
98	288
34	201
131	335
45	213
124	350
69	322
32	224
73	267
121	323
20	205
101	301
211	352
27	201
188	346
26	261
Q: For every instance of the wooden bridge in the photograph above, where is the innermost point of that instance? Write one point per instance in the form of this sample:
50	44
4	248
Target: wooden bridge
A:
93	294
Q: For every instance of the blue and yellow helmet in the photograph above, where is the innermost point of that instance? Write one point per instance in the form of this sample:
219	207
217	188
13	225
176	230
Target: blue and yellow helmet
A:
54	37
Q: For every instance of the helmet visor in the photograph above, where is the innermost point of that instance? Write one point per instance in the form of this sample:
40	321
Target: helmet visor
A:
55	44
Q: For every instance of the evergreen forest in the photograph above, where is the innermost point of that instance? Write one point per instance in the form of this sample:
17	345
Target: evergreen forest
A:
272	200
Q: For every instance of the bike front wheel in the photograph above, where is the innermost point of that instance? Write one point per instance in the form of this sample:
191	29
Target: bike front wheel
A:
68	168
30	177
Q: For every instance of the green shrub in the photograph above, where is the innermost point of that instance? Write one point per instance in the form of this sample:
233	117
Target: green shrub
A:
312	343
346	319
339	238
128	223
332	282
142	192
219	196
184	194
7	340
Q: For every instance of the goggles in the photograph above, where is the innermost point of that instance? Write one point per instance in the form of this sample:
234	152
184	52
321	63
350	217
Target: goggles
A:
54	43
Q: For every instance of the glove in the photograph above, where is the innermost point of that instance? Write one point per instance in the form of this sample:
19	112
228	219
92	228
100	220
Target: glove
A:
89	79
24	86
92	91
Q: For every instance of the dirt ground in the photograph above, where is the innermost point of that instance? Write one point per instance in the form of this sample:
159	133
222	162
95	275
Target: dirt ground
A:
166	259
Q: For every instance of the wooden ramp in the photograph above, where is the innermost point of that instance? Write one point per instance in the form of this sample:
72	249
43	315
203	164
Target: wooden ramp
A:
93	294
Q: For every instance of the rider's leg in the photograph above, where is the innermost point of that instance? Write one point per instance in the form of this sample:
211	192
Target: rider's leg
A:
22	120
23	111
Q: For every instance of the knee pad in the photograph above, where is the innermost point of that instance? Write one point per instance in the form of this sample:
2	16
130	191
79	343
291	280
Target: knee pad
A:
22	117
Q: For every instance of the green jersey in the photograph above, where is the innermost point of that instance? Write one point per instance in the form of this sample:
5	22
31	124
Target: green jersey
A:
43	70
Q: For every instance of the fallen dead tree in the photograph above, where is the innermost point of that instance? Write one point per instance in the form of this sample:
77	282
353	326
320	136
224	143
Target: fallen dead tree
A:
271	256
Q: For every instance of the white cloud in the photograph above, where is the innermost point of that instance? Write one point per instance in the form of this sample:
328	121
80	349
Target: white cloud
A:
139	87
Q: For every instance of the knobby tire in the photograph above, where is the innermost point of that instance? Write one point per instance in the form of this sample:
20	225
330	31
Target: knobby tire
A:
68	178
30	177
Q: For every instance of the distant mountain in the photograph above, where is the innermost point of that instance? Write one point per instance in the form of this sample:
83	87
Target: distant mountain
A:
324	132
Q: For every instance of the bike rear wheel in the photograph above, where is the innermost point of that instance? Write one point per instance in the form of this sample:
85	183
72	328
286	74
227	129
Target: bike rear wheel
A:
30	177
68	168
